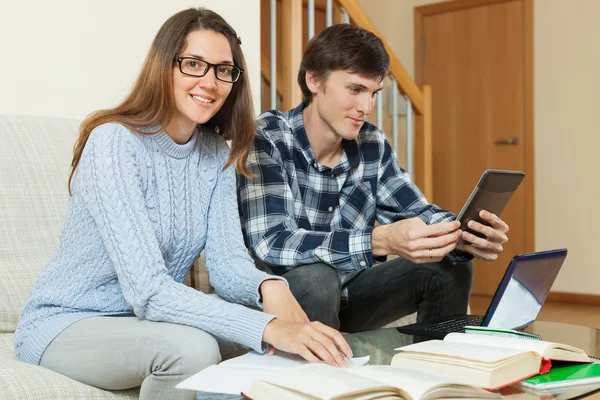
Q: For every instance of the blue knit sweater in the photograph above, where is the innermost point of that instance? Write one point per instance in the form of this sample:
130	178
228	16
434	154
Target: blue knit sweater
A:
143	208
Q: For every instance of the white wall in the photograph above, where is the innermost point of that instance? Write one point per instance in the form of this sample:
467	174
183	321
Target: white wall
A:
395	20
567	144
567	138
67	58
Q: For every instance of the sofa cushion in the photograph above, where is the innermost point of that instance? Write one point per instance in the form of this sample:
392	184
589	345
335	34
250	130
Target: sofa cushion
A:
34	168
6	346
19	380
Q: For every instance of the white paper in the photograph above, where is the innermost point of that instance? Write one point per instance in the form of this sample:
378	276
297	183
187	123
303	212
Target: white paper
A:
357	361
256	360
224	379
236	375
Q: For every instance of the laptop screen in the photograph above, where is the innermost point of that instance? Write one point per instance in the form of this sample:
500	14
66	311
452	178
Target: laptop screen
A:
524	289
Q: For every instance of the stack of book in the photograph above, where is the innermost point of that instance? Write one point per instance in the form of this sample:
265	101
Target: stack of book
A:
489	362
460	366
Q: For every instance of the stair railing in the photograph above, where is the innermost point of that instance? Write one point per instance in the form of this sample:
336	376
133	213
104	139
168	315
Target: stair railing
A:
285	93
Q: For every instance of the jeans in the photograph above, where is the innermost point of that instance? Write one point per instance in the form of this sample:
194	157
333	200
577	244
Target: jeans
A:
383	293
115	353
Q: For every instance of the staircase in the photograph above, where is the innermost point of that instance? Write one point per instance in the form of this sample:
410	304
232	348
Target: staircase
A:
287	25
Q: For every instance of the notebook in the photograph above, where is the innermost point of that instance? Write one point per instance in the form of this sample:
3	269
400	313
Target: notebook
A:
567	375
516	302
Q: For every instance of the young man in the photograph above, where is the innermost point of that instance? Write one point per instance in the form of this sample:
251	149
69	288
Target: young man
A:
324	176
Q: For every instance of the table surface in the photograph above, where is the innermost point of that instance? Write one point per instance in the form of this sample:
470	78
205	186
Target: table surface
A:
380	344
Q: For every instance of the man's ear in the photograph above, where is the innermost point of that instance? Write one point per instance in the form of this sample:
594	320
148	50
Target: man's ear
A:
313	81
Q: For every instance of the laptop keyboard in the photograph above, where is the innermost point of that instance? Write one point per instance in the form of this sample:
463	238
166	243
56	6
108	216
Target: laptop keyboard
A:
456	325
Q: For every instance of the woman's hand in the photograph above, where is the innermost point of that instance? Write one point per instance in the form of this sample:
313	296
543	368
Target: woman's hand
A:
313	341
279	301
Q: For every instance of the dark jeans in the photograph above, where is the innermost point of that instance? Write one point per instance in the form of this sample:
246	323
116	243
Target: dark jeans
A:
383	293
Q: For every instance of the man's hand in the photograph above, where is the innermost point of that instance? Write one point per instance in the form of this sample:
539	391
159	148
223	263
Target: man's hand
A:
416	241
489	247
313	341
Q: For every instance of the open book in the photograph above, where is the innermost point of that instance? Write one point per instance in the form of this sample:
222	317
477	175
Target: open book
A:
320	381
549	350
485	361
236	375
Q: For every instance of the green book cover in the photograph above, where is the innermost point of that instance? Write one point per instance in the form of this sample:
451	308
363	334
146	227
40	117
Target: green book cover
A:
579	374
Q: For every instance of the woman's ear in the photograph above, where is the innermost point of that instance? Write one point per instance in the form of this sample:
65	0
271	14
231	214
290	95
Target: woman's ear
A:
313	81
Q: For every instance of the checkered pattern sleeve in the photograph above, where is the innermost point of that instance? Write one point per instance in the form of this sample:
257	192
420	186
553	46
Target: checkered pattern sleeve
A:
270	213
398	197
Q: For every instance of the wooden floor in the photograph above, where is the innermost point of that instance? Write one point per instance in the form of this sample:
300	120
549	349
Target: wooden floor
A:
555	312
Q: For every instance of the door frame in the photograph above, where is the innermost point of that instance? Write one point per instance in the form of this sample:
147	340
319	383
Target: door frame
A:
529	137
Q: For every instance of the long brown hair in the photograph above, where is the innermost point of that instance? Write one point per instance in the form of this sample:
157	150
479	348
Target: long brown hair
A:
151	102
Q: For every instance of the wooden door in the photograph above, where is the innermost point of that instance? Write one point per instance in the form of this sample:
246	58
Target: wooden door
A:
474	59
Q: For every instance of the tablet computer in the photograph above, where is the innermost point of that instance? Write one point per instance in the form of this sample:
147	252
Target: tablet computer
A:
492	193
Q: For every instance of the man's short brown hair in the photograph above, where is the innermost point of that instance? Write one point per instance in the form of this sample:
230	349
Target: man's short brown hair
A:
343	47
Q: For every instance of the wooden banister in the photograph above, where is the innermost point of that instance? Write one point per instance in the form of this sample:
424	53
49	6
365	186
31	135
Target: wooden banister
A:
288	89
265	68
420	99
424	176
292	52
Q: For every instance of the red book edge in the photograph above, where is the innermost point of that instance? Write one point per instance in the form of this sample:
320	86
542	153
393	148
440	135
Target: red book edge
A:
545	366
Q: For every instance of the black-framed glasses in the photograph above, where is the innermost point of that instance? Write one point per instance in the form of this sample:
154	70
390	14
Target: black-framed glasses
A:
195	67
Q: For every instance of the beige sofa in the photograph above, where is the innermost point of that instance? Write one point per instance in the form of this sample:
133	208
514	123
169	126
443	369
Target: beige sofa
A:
35	154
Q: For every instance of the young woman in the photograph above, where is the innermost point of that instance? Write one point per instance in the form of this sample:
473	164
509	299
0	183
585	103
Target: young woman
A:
152	186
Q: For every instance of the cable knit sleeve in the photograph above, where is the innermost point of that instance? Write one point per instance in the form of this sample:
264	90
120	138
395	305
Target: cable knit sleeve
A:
108	181
232	271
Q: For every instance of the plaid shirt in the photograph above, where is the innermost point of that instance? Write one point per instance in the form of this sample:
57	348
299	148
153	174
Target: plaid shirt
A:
297	211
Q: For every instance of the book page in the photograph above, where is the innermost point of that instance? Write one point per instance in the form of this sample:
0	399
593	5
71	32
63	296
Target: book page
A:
235	375
538	346
324	381
457	353
224	379
418	383
264	361
281	360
